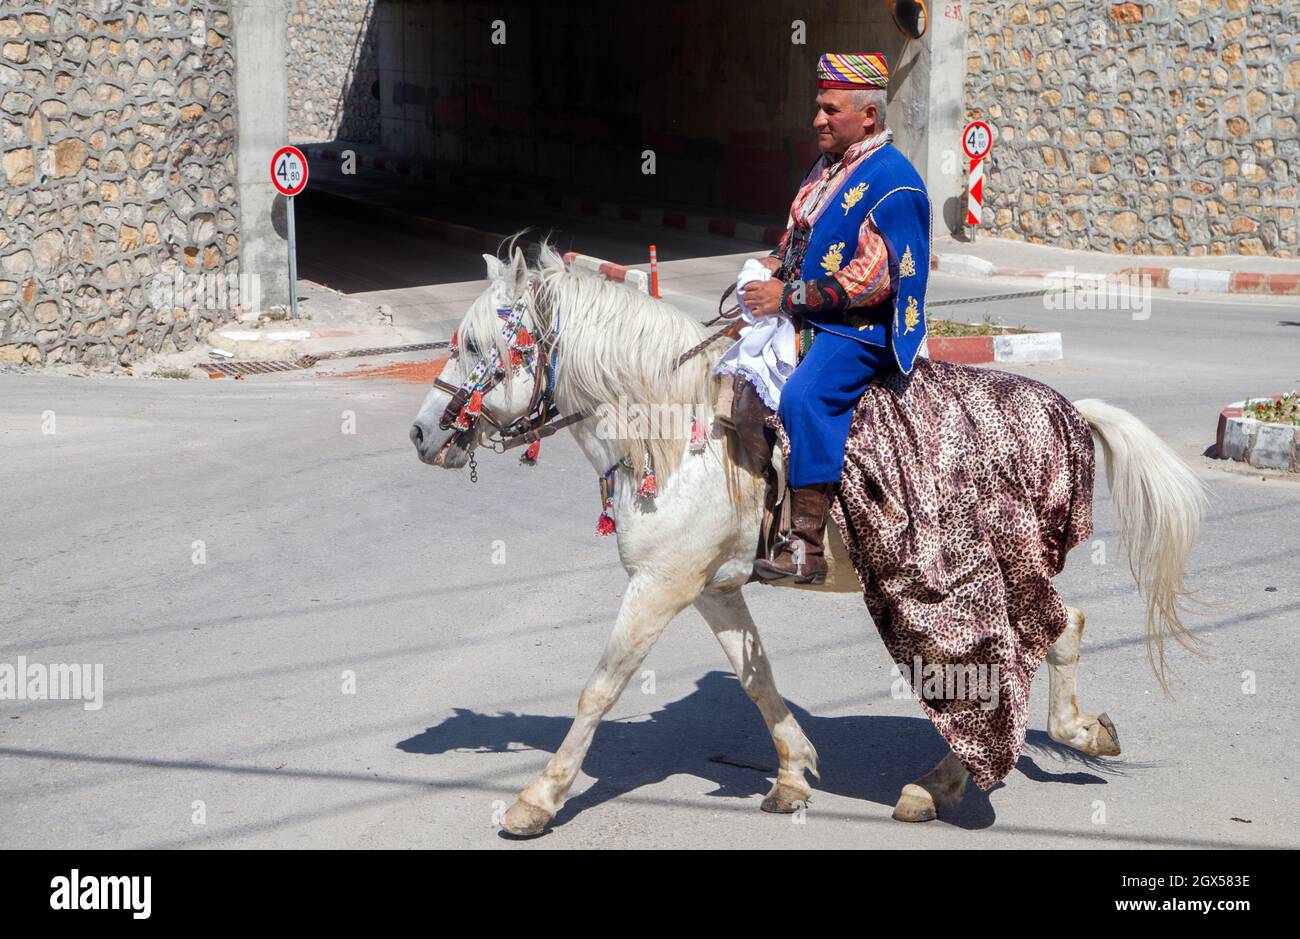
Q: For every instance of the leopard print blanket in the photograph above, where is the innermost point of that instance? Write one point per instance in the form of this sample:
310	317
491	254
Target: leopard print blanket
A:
963	489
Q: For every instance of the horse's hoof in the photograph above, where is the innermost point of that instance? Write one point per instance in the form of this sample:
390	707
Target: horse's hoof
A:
784	800
1107	737
915	805
525	820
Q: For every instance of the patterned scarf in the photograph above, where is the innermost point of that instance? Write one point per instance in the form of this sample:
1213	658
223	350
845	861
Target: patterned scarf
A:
808	204
810	197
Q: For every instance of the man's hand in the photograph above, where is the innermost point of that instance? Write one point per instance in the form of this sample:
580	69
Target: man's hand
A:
763	297
771	263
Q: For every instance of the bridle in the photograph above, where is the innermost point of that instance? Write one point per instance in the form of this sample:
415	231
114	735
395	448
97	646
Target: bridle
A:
467	406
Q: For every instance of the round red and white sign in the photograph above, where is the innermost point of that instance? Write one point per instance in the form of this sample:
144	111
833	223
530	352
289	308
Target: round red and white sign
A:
289	171
977	140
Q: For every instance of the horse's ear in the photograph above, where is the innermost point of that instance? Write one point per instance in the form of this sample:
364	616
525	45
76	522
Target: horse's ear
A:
519	265
494	266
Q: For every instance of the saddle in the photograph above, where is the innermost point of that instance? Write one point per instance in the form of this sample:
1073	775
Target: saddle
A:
740	409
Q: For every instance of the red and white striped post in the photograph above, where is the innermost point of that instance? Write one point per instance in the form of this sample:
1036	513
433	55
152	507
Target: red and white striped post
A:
977	141
975	192
654	272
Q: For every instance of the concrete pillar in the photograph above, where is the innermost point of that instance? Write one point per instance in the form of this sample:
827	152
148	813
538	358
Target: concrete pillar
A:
927	116
261	92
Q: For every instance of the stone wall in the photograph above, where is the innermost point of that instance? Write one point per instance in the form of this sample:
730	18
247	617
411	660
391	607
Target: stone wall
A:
118	199
333	71
1145	128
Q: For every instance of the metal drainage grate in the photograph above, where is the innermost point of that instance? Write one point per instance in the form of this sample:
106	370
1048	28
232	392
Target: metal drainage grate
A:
1020	295
252	368
307	361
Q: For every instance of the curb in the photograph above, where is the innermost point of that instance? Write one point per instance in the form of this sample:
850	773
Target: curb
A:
1259	444
980	350
1186	279
1217	281
608	269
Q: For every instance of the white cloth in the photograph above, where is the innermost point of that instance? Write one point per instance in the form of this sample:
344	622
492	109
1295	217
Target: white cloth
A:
765	352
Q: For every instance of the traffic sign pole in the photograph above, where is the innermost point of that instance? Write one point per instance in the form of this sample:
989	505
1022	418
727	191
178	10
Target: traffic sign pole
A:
289	177
293	262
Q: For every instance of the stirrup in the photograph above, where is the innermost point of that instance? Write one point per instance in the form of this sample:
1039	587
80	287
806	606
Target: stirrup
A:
763	565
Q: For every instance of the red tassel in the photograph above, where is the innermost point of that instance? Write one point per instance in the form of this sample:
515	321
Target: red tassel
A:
698	443
605	526
648	488
530	455
475	403
522	338
516	358
455	340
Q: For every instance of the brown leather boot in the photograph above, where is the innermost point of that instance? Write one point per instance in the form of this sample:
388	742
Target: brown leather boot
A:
801	558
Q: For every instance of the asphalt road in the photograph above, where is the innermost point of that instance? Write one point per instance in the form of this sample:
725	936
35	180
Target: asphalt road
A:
332	558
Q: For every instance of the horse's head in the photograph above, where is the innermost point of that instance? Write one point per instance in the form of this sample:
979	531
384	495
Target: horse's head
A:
496	378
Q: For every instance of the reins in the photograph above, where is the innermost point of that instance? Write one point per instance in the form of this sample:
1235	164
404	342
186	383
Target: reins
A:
734	324
538	421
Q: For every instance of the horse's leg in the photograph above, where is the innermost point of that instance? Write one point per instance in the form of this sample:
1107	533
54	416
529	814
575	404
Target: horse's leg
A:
728	617
1094	734
647	607
940	789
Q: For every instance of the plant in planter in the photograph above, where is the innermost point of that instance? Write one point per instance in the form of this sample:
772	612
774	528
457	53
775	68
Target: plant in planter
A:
992	326
1283	410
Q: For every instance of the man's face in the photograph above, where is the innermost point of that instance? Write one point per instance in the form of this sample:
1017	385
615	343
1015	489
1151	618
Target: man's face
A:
838	123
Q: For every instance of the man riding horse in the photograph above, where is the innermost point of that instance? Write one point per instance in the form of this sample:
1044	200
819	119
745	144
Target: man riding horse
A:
850	272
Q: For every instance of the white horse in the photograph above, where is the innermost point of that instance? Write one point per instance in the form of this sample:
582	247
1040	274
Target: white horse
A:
694	542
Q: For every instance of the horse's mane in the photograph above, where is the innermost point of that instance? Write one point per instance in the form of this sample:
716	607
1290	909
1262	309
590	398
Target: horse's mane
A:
614	342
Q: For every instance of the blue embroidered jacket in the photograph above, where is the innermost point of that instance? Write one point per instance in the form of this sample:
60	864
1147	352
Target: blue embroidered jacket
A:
887	189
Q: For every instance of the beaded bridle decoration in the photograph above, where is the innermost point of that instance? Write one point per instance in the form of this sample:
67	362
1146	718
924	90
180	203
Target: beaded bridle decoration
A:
467	406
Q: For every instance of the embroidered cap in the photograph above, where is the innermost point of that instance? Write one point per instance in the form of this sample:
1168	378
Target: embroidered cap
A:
853	70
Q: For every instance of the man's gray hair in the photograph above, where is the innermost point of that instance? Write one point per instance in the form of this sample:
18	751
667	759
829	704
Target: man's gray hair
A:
871	97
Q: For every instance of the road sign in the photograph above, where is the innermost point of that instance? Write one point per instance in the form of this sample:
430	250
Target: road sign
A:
289	171
289	177
977	140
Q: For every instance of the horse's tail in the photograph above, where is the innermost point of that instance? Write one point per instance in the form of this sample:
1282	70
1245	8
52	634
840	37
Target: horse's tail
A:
1160	503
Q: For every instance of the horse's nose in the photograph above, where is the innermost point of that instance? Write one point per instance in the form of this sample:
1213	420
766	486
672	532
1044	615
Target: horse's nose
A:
417	435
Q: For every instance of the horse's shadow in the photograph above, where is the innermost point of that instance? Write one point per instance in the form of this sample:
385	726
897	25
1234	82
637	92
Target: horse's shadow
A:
716	733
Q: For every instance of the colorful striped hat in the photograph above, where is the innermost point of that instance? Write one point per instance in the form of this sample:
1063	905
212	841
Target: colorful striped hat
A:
853	70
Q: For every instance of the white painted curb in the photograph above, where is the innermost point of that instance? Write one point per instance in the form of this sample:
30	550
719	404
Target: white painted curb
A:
1196	279
1028	347
965	264
253	335
585	262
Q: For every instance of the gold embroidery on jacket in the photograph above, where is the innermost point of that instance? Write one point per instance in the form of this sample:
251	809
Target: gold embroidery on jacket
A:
853	196
833	259
911	316
907	267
